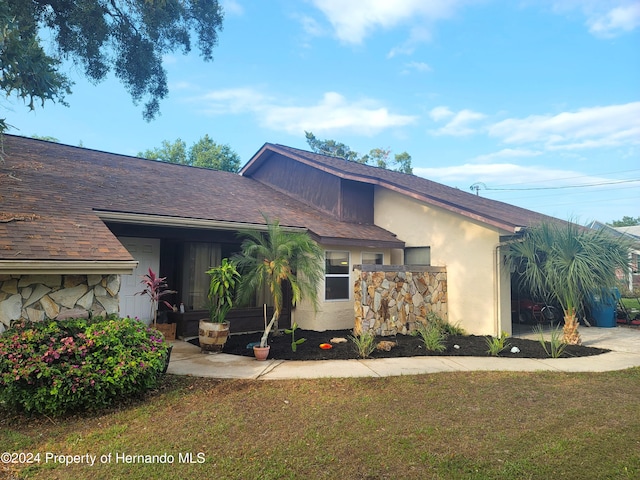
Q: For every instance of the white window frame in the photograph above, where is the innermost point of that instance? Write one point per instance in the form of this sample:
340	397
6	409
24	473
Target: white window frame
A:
338	275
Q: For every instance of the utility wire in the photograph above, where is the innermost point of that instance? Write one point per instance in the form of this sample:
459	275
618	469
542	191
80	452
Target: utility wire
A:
477	186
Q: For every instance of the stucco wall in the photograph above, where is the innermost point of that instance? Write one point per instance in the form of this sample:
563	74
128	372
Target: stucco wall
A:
334	314
478	286
36	297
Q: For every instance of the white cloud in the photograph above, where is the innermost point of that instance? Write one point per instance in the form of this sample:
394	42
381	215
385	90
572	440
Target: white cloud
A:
231	100
624	18
232	7
419	34
440	113
593	127
310	25
332	113
604	18
506	175
507	153
417	67
353	21
459	125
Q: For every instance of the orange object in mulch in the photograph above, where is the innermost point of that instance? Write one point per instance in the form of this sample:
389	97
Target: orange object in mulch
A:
326	346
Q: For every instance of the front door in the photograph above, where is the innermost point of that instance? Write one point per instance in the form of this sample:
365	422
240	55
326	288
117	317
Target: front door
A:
147	252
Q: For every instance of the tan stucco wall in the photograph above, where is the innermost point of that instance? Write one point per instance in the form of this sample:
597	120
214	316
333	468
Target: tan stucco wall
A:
478	301
334	314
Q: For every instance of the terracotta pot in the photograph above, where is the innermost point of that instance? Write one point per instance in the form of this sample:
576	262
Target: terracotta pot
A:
261	353
212	336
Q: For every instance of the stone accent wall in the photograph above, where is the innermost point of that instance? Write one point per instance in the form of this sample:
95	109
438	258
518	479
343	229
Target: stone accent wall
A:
36	297
390	299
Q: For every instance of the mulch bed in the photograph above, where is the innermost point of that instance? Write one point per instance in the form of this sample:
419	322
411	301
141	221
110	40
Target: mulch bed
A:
407	346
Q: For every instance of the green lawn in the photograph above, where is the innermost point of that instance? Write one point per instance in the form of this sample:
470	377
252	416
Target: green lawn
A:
630	303
477	425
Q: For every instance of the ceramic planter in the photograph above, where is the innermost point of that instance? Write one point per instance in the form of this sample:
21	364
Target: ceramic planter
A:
261	353
212	336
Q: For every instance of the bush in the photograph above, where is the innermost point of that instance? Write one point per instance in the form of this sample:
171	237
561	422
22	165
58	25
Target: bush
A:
433	336
365	343
56	367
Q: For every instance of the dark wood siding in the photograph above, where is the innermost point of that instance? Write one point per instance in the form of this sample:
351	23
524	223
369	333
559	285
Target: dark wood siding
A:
356	204
308	185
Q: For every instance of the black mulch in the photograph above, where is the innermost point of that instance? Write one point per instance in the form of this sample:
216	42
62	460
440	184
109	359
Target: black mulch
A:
407	346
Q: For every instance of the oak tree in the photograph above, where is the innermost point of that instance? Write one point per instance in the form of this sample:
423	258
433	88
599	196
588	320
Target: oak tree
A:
128	38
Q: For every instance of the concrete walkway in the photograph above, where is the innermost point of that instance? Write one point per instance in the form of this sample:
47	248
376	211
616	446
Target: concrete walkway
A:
624	343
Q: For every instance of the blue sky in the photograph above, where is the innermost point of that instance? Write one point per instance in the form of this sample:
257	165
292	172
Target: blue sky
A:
537	102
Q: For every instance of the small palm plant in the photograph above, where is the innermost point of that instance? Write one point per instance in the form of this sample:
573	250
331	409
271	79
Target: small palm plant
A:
156	288
221	290
274	258
567	263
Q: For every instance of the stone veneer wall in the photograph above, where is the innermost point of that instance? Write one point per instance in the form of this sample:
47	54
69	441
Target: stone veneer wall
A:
390	299
36	297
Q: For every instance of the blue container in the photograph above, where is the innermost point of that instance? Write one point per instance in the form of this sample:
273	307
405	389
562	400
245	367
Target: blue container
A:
603	309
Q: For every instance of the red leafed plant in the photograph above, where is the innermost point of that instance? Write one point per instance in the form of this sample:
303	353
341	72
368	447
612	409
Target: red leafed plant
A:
156	288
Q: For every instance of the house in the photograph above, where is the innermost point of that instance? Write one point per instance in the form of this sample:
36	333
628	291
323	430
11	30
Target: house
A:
78	227
631	233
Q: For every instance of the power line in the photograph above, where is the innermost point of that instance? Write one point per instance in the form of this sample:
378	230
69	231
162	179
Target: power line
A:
478	185
574	177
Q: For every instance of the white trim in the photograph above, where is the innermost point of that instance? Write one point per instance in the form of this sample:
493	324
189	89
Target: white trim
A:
66	267
338	275
168	221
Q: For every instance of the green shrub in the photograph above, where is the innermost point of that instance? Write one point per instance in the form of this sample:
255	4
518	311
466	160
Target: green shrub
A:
556	345
433	336
55	367
498	344
446	328
365	343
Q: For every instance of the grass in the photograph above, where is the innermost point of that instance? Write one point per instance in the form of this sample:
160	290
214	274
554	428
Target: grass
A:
469	425
630	303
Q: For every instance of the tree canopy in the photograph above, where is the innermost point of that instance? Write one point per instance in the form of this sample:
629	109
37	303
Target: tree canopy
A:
204	153
378	157
626	222
128	38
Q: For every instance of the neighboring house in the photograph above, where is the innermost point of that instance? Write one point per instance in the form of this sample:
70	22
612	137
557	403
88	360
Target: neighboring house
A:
78	227
633	234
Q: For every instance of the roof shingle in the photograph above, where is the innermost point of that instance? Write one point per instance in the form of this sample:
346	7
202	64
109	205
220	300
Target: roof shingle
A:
50	195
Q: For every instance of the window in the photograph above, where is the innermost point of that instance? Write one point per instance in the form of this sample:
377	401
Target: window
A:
336	276
370	258
198	258
417	256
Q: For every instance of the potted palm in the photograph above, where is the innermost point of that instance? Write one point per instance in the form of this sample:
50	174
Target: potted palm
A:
214	331
272	258
568	264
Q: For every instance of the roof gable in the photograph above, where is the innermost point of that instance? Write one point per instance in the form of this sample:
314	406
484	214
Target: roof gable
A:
491	212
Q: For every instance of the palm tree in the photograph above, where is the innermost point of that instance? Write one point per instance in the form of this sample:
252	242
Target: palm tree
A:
273	258
569	264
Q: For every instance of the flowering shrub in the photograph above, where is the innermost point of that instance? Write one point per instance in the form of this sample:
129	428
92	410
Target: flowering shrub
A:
55	367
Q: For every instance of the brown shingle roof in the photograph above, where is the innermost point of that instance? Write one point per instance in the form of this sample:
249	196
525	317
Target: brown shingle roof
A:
492	212
50	195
